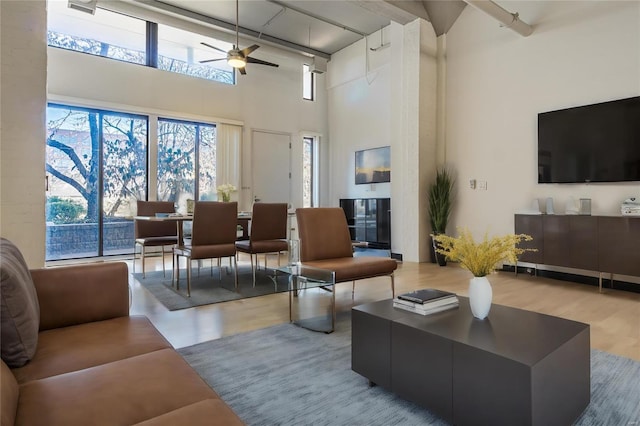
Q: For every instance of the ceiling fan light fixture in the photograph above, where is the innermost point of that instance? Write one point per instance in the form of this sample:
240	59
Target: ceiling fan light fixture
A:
237	61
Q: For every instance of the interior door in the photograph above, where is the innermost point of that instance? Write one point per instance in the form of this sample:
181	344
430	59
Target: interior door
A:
271	163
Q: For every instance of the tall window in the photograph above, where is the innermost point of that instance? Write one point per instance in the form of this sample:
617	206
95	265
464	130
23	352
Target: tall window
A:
309	172
96	164
308	83
186	161
117	36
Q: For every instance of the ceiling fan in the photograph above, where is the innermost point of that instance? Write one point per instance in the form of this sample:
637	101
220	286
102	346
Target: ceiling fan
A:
236	57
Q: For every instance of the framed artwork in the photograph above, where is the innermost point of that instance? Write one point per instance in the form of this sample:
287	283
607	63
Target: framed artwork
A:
373	165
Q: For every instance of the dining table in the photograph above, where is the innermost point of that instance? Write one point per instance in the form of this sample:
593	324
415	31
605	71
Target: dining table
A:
243	221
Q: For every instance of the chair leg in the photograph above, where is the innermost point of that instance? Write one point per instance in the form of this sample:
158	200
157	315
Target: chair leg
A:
143	267
235	271
393	287
353	290
253	267
188	277
135	249
176	262
163	271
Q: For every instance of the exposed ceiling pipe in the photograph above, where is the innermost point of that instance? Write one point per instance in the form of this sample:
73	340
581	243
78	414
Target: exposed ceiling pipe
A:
508	19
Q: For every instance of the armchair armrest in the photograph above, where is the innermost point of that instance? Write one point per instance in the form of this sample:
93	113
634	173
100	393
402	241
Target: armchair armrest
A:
73	295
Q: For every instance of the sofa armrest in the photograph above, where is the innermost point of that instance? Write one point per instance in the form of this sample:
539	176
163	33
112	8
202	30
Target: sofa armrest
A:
73	295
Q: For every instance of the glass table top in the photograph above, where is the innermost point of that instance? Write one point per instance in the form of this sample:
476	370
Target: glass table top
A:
308	275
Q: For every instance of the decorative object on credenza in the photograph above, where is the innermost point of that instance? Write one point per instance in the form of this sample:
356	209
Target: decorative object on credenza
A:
549	209
481	259
373	165
571	207
440	205
224	191
630	207
585	206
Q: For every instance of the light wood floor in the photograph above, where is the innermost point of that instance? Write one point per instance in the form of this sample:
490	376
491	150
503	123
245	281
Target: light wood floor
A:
614	315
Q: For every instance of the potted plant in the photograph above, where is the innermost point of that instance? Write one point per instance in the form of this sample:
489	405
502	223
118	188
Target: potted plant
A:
481	259
440	205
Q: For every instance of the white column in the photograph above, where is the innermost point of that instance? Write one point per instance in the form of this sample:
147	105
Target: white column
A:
23	100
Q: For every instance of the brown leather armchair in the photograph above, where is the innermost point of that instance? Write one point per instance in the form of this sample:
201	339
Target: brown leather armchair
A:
268	233
153	234
325	243
213	236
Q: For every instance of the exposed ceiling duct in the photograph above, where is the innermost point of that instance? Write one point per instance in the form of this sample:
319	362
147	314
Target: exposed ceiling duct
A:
508	19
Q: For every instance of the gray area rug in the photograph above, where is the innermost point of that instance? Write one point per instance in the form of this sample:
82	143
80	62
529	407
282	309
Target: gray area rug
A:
286	375
207	288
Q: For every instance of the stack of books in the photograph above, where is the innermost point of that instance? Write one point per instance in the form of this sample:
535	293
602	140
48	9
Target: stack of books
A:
426	301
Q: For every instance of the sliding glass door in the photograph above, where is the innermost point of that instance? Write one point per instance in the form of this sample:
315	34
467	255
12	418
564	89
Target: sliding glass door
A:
96	164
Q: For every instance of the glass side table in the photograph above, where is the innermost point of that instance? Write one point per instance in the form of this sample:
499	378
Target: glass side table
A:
312	299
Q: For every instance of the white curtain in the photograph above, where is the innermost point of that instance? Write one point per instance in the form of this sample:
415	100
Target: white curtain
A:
228	141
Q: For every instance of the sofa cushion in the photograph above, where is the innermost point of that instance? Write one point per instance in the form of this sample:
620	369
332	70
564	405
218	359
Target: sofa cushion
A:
8	396
210	412
124	392
19	309
62	350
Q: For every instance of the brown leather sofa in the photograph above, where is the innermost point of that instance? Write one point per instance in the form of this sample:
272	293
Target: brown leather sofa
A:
96	364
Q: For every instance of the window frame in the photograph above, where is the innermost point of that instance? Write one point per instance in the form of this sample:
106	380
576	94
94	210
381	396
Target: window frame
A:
151	49
314	189
306	70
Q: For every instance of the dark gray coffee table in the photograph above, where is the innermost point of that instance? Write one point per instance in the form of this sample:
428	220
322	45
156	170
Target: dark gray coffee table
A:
515	368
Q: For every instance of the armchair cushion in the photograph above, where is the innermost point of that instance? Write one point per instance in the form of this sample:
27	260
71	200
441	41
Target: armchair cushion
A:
356	268
20	310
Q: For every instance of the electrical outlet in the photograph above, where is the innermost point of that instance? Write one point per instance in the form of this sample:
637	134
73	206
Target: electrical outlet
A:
472	183
482	184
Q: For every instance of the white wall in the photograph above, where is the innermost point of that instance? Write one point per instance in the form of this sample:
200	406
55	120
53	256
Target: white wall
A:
580	52
22	126
388	97
359	94
265	98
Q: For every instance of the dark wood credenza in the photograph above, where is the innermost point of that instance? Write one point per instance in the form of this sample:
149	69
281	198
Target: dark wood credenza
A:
605	244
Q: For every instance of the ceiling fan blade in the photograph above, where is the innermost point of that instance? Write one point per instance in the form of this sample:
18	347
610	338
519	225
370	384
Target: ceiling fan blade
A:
247	50
213	47
212	60
242	70
251	60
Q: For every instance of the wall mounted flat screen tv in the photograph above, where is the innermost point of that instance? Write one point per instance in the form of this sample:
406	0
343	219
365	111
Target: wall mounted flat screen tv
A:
591	143
373	165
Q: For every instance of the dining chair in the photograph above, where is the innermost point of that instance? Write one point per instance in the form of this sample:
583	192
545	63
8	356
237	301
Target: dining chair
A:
268	233
325	243
213	236
153	234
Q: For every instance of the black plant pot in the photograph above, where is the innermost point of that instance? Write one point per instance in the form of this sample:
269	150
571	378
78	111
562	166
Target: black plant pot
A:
440	258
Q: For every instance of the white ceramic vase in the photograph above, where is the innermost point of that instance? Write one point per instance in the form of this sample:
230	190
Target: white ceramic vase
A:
480	296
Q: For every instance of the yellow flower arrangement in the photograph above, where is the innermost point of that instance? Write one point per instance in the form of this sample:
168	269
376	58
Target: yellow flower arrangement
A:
481	258
225	191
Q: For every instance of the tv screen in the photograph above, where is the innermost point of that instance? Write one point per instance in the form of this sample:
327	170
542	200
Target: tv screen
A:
373	165
592	143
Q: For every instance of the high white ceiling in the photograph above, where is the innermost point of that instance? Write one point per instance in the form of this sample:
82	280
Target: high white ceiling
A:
313	26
